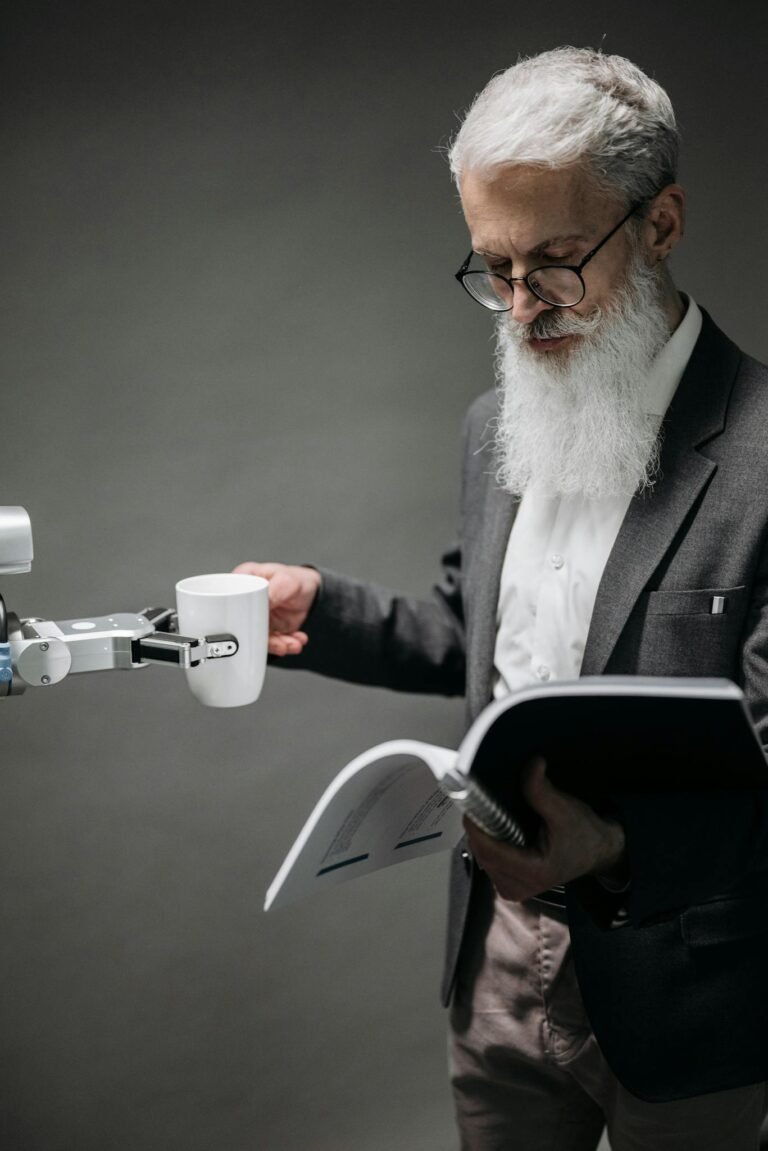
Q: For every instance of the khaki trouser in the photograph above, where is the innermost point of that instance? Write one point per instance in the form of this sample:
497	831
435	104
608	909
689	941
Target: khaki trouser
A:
526	1070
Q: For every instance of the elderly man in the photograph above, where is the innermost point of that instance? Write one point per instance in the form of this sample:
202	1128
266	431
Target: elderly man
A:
613	972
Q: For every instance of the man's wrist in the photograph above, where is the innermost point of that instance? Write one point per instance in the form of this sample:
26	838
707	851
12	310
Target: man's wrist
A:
313	582
613	869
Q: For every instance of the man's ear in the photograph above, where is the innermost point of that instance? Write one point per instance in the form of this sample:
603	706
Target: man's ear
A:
664	222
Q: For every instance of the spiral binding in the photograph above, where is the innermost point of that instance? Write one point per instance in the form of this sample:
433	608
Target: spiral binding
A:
475	802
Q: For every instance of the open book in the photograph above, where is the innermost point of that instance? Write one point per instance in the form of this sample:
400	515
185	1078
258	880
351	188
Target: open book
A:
600	736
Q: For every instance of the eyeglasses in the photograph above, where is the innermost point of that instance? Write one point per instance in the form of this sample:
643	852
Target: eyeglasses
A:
560	285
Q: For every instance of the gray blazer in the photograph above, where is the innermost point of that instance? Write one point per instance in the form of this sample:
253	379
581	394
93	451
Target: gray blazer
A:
675	996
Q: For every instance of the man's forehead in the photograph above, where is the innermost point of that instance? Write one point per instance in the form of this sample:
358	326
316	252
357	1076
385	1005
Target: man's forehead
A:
530	207
487	246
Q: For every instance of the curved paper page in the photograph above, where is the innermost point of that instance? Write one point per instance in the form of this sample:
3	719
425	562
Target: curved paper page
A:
384	807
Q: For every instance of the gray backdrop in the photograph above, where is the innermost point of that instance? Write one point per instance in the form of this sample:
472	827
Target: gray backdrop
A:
230	331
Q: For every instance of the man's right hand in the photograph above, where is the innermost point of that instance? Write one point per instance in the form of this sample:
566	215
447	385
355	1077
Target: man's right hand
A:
292	592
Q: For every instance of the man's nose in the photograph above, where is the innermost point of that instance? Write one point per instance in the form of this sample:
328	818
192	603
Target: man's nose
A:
526	305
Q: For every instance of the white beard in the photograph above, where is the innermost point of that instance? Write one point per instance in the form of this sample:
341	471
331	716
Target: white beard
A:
573	422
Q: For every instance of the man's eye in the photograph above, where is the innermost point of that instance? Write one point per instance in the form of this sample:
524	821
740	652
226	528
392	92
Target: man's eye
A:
500	266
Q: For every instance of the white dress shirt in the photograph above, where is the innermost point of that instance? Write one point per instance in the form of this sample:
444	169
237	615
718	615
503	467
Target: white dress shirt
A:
558	549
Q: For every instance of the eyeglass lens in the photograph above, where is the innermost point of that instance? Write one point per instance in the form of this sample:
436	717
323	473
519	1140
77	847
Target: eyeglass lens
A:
559	286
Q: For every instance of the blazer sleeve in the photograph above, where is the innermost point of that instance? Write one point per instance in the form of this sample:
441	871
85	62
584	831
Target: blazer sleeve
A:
366	634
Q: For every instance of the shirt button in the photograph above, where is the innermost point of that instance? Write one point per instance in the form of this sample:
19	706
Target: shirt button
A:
542	672
557	561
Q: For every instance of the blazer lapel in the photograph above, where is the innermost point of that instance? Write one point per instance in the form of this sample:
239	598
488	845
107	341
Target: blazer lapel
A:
696	414
485	578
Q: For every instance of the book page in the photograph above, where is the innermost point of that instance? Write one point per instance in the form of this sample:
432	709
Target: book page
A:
384	807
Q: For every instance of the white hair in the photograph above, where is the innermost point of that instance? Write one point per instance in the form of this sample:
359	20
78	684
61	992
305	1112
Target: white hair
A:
574	105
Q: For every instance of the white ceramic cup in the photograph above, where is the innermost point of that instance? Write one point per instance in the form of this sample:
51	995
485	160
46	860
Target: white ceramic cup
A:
234	603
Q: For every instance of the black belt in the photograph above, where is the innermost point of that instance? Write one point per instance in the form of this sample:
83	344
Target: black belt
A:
553	897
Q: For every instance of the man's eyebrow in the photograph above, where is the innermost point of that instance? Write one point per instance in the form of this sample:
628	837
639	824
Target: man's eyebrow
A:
552	242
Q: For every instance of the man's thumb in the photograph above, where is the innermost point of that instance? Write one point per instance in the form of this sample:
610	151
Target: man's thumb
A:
537	789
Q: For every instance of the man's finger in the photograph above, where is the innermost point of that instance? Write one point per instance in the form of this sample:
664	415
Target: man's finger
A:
488	851
250	567
287	644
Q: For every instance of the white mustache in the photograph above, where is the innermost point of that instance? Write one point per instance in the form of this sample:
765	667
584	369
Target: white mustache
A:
558	322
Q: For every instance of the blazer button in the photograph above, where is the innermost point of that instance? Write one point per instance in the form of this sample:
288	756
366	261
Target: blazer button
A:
466	859
620	918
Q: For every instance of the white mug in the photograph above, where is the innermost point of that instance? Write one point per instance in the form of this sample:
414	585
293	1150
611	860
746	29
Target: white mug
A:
226	602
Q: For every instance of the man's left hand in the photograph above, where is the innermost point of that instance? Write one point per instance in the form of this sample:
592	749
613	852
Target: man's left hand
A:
573	840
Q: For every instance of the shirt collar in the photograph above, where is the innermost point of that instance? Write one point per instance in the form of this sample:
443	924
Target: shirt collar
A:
668	367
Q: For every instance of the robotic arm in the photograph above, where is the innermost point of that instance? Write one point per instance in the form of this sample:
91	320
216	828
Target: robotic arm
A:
38	652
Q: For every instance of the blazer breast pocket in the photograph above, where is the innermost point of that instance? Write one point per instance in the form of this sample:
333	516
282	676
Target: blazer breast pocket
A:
691	632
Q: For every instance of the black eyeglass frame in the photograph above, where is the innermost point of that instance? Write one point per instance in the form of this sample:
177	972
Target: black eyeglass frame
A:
512	280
